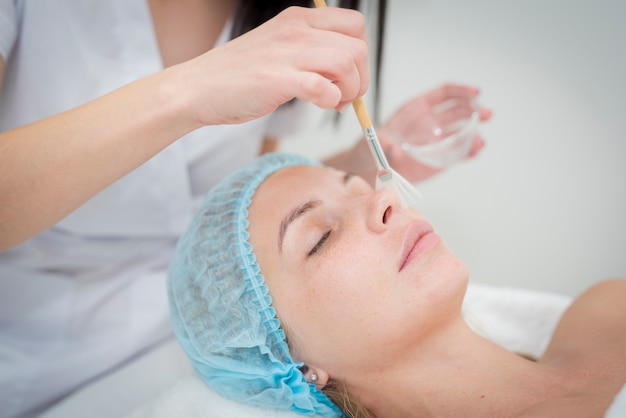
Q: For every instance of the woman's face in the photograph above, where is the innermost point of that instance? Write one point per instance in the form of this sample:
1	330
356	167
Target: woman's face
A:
356	280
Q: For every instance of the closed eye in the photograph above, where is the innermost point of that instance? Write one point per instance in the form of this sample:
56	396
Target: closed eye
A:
319	244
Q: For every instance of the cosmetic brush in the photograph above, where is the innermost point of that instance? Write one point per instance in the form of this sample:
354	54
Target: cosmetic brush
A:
386	177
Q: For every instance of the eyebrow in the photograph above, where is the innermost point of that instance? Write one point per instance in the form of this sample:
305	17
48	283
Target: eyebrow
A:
292	216
301	210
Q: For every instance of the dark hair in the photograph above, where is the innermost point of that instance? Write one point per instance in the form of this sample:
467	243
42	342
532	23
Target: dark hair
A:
252	13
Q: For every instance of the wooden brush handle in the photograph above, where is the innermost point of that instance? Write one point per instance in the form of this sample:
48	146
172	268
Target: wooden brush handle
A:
361	113
320	3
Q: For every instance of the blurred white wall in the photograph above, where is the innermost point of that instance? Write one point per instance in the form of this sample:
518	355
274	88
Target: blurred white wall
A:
543	206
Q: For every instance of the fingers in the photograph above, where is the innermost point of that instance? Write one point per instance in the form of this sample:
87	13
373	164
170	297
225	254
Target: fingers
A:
461	92
333	46
452	102
485	114
339	67
314	88
345	21
477	146
315	55
458	110
451	91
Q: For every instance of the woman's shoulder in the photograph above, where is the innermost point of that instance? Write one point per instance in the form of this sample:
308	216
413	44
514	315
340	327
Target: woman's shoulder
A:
595	319
589	342
605	302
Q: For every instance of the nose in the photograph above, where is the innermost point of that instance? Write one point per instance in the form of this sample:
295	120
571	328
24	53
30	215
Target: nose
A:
382	205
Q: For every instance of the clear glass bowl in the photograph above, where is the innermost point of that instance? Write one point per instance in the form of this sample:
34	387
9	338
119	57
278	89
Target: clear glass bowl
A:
440	135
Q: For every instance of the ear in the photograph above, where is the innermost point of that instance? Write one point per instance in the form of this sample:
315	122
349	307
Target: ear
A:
317	376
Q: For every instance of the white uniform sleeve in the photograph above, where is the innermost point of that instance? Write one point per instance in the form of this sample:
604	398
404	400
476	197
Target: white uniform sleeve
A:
287	119
8	27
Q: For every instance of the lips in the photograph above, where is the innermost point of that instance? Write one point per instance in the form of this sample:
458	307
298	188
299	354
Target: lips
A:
419	238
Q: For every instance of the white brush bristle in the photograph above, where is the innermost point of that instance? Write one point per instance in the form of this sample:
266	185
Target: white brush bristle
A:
407	193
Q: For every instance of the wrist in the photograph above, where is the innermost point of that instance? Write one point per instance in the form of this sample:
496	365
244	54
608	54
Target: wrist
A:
177	95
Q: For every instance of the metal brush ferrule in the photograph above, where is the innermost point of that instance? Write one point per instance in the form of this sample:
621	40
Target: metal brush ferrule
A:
376	149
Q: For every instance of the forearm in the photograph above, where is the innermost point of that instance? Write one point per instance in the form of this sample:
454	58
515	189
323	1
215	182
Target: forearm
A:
357	160
51	167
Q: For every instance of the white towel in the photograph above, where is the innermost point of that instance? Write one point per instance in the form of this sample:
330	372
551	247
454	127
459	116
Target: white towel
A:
618	407
520	320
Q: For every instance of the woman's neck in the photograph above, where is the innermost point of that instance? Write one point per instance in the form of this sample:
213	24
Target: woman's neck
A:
458	373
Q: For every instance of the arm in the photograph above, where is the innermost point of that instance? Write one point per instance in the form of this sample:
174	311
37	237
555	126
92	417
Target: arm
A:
591	335
594	321
270	144
50	167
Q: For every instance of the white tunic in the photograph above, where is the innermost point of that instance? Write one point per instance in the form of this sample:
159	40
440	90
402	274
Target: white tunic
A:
89	292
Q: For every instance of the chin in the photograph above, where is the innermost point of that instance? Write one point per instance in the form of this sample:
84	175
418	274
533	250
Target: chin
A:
448	282
454	268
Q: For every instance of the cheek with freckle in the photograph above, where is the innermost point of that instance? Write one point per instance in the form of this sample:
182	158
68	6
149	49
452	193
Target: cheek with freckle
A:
343	300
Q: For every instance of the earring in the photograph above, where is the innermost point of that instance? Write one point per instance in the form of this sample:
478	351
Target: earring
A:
313	377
